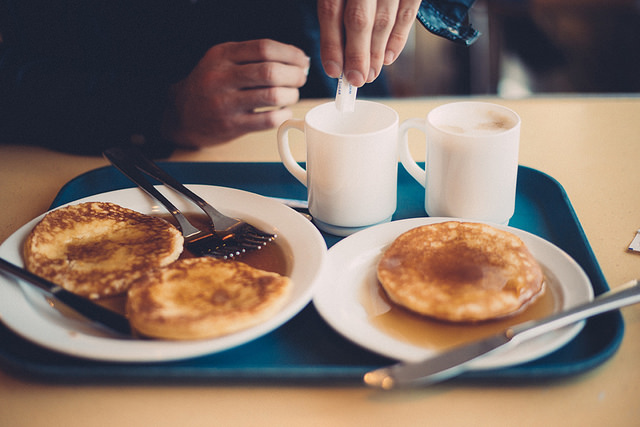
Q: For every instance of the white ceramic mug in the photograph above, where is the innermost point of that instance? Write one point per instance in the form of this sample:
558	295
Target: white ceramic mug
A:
351	164
471	160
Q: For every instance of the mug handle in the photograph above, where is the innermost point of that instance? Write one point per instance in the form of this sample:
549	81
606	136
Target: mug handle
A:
407	160
285	150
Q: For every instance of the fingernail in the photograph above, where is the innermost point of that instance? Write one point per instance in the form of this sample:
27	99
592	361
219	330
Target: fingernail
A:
389	57
355	78
306	70
333	69
372	75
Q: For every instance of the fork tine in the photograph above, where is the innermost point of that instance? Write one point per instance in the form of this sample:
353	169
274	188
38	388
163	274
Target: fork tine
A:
258	235
224	255
253	240
227	251
251	245
242	243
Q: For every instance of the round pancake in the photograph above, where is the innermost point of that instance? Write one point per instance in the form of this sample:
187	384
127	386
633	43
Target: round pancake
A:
198	298
98	249
460	272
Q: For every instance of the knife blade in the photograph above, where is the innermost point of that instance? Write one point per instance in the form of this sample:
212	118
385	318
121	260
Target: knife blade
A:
84	306
453	362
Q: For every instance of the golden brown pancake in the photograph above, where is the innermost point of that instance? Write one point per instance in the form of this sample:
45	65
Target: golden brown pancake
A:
98	249
197	298
460	272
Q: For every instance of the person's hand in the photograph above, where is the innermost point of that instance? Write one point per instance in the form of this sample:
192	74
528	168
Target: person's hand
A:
236	88
359	36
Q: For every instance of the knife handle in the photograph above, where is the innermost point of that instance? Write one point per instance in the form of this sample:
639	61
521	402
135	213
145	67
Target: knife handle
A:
119	159
131	162
82	305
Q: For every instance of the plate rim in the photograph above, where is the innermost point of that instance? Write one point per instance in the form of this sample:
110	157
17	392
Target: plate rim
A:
93	347
388	232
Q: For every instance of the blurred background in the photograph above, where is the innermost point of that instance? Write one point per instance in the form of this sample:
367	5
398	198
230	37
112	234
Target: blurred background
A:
528	47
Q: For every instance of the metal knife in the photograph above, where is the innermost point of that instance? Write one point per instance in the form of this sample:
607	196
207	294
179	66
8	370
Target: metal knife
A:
455	361
84	306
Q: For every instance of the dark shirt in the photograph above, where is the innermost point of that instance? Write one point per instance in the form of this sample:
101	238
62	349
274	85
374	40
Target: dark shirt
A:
80	76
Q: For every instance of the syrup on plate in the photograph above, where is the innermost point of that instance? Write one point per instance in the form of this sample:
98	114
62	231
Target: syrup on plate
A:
432	334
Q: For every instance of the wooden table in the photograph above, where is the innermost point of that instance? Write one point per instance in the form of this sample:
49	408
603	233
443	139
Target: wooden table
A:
589	144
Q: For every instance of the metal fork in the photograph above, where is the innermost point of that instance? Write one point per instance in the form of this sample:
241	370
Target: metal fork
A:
228	236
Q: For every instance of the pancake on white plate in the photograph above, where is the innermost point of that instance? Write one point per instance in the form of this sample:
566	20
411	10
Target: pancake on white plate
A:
460	272
196	298
99	249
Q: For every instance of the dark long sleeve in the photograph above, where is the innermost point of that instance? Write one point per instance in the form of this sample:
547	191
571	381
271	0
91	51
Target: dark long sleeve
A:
83	76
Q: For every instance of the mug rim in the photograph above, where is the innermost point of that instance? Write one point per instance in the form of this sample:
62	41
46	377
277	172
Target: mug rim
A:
395	122
514	128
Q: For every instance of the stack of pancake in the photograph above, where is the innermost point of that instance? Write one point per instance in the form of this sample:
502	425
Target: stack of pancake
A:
99	250
460	272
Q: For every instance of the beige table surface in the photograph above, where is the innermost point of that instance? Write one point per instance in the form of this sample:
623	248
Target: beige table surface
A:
591	145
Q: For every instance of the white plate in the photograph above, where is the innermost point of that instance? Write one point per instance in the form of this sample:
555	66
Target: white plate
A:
25	310
351	267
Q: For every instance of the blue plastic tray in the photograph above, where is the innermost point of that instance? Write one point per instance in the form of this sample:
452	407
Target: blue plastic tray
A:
306	349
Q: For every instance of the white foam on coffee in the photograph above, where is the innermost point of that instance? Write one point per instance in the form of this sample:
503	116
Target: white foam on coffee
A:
473	121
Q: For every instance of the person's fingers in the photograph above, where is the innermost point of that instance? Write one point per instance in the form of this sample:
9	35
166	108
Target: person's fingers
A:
358	37
219	128
263	50
236	88
239	124
267	74
265	120
358	24
238	102
385	19
330	18
406	15
254	99
245	65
